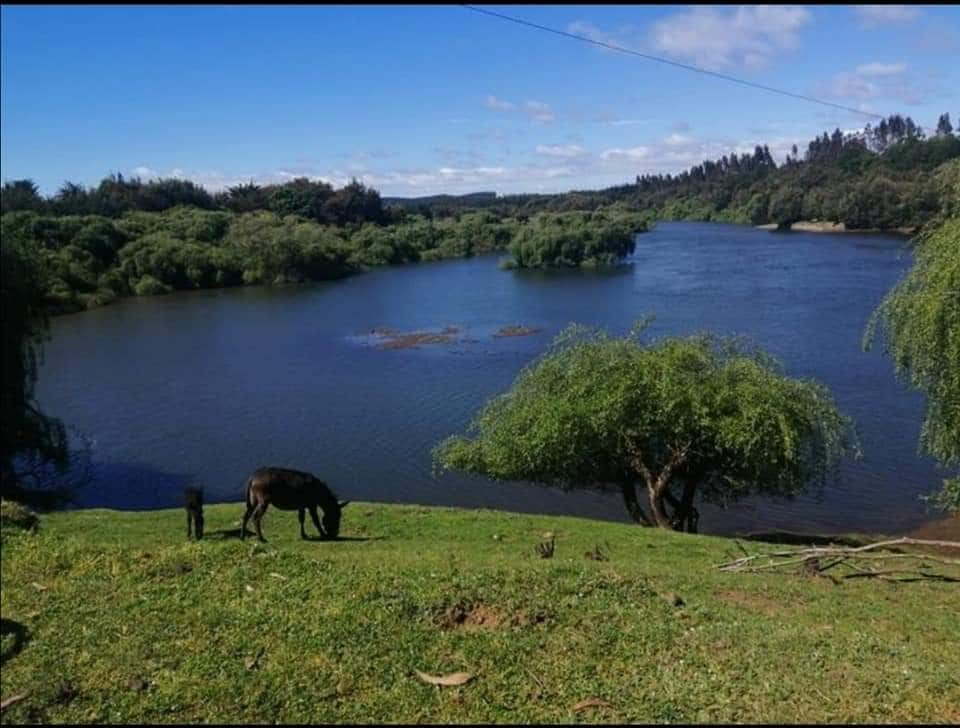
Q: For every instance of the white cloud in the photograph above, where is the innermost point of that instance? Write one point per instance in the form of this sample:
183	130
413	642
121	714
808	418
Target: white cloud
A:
492	102
677	153
850	86
873	15
628	122
747	37
569	151
875	81
465	179
881	69
633	154
624	36
537	111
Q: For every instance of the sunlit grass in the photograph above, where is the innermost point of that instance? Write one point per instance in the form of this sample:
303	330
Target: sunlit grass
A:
126	621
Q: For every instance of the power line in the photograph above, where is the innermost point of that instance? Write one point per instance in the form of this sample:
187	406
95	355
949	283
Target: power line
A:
695	69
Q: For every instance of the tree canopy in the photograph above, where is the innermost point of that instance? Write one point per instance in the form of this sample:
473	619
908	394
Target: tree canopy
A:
681	418
921	320
27	435
575	239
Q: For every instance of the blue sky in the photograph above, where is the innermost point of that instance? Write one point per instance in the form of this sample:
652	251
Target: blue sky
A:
427	99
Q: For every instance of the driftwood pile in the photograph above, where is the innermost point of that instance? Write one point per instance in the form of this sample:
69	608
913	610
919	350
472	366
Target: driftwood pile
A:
881	560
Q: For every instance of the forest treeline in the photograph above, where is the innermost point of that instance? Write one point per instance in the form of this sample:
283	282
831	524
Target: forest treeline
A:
881	178
125	236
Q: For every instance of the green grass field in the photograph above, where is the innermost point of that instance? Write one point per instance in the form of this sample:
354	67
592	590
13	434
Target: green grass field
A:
114	617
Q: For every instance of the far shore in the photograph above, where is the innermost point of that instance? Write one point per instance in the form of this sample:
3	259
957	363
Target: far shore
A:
817	226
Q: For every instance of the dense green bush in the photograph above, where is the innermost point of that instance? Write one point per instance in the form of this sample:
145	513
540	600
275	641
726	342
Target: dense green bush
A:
90	260
574	239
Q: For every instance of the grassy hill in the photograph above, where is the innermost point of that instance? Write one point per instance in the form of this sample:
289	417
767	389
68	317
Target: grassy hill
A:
114	617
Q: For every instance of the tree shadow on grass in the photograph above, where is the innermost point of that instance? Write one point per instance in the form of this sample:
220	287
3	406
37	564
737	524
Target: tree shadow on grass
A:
16	635
803	539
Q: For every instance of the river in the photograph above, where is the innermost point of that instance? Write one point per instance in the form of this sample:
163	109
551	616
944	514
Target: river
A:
203	387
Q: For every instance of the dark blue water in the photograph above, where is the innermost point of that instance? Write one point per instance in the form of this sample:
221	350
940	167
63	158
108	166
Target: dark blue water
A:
203	387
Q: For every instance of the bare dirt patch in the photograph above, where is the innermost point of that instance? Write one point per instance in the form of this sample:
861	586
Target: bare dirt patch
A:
751	601
516	331
943	529
482	617
478	617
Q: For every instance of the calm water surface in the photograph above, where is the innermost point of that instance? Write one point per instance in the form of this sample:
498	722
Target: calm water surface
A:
203	387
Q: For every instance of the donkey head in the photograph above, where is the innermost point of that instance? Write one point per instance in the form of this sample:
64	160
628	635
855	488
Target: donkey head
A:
331	519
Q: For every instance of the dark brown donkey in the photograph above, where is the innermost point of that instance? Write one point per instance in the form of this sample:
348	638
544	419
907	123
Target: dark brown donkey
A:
291	490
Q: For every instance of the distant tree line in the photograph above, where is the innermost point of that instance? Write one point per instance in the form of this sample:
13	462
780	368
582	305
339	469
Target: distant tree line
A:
116	195
83	261
878	178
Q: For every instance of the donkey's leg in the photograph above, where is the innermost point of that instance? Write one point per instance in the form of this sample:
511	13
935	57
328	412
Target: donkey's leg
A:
301	514
316	521
246	517
189	524
258	517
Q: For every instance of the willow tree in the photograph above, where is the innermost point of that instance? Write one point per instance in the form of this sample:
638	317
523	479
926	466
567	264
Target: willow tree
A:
921	320
27	435
681	419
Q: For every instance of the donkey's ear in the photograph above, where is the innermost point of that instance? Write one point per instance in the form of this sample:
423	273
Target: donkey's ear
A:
344	504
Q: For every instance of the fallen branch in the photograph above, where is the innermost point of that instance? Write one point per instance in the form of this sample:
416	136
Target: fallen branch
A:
11	700
857	559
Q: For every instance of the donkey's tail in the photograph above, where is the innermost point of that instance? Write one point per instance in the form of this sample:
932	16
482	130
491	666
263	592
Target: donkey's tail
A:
246	491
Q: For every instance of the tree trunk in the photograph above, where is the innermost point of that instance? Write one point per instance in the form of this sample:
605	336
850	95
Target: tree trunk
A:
658	489
658	506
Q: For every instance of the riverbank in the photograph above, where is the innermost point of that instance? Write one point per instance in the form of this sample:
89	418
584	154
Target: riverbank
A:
811	226
115	617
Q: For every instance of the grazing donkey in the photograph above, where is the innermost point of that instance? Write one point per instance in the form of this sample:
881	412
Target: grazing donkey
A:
291	490
193	502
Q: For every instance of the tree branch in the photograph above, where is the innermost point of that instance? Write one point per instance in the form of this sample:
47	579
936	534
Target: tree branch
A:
857	559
